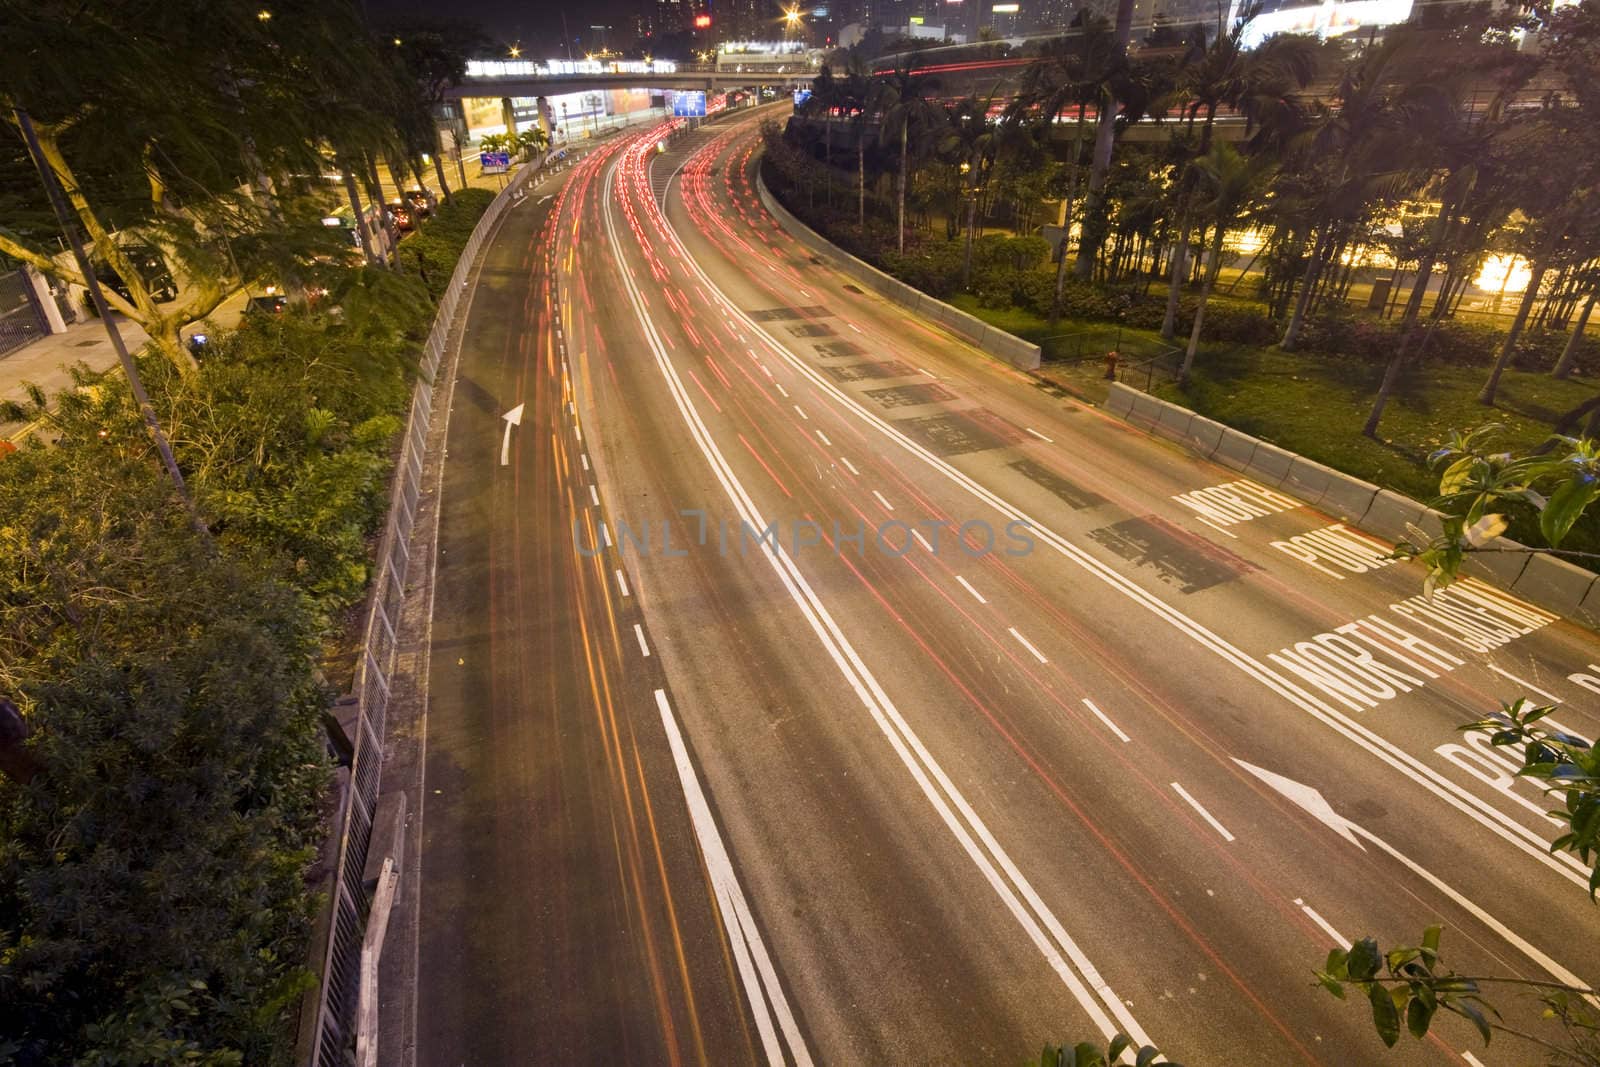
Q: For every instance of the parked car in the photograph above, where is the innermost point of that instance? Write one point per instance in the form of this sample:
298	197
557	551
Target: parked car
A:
403	215
152	270
421	200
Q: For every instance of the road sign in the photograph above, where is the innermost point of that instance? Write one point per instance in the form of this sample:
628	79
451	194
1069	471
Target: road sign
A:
689	104
494	162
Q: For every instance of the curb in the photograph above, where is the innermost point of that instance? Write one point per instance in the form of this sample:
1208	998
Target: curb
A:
1021	354
1545	581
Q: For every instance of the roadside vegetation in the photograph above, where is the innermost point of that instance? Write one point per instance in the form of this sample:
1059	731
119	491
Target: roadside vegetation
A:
166	757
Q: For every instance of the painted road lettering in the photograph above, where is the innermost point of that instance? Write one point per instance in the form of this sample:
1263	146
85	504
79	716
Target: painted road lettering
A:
1235	502
1376	658
1337	546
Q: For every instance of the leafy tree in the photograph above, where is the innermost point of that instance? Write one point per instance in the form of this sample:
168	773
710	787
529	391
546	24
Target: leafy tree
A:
434	55
1229	181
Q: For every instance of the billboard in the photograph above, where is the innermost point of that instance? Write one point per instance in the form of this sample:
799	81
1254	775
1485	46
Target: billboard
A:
689	104
494	162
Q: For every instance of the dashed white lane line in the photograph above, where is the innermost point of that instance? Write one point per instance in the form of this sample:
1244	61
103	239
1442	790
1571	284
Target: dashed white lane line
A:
802	413
585	457
1204	814
929	373
594	497
1039	435
605	536
852	466
779	387
853	326
968	587
923	541
883	500
824	438
1103	717
622	582
1471	1059
1327	927
1027	645
638	631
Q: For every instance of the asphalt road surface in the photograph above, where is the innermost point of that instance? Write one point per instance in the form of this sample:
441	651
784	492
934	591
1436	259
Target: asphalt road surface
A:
810	688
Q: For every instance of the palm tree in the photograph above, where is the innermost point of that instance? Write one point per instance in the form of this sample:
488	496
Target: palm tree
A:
1071	71
1262	84
1104	138
907	111
1230	180
975	142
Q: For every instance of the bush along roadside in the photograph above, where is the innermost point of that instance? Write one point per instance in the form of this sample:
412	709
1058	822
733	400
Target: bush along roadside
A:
164	777
431	253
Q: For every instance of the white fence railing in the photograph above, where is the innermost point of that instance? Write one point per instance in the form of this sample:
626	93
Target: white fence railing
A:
337	993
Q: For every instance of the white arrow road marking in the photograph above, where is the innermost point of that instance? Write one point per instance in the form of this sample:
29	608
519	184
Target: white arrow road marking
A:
512	418
1317	805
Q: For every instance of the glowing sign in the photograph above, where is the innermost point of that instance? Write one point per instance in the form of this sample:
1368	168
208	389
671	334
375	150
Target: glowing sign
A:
690	105
1330	19
702	22
916	20
1005	9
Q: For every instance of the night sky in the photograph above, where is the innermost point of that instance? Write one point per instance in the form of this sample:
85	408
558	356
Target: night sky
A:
536	23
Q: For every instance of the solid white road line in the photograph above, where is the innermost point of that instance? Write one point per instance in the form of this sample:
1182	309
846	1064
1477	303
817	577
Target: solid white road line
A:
852	466
638	631
1113	727
1027	645
1039	435
883	500
622	582
1339	940
756	972
1551	697
1499	822
594	496
968	587
1037	921
1204	814
824	438
1219	529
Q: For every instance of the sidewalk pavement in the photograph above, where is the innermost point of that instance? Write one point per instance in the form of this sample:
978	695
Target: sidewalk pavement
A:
48	362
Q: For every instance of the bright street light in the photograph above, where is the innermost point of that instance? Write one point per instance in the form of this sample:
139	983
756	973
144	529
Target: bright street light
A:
264	15
516	51
791	15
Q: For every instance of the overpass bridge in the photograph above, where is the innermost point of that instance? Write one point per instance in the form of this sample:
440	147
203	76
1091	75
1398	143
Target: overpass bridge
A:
488	79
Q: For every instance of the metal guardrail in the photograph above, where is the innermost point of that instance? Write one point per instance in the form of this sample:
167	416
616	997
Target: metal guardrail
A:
337	993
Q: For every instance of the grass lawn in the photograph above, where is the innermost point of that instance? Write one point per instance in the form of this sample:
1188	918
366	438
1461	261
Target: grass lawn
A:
1315	406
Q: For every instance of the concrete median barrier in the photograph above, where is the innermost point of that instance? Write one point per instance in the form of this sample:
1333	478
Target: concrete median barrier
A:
1235	449
1554	584
1347	498
1308	479
1203	435
1024	355
1270	464
1120	402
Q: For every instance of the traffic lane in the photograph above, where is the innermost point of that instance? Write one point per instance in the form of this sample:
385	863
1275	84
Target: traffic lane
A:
529	783
849	883
1137	540
706	330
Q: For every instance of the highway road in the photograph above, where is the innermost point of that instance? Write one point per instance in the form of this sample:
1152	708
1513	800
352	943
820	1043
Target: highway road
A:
807	687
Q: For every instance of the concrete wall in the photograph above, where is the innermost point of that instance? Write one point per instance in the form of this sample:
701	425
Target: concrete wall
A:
1014	350
1550	583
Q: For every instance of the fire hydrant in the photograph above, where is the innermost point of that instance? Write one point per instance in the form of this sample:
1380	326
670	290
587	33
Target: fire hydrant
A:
1111	365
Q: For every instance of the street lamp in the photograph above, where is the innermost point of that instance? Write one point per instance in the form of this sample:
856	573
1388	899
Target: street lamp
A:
264	15
791	17
516	51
